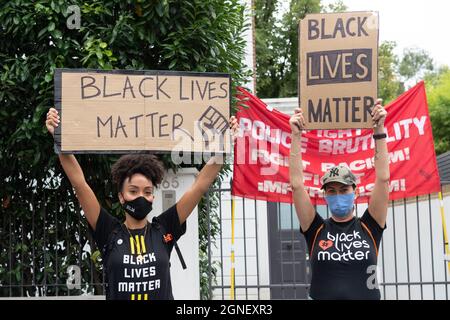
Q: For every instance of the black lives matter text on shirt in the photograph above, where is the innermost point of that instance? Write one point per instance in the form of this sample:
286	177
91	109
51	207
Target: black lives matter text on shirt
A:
138	269
343	257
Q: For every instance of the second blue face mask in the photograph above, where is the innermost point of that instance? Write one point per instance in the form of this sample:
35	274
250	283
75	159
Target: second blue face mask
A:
341	204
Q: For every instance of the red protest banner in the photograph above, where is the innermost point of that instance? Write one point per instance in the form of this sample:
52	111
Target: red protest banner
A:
261	158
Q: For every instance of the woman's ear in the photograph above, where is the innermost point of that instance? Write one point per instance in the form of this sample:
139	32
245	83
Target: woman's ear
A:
121	199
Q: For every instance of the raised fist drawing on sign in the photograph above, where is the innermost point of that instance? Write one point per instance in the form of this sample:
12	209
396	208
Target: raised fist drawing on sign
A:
212	125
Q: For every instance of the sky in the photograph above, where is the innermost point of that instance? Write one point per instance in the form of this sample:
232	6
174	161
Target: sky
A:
411	23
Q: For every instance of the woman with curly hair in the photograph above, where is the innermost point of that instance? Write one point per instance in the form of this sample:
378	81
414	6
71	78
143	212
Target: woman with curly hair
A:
136	253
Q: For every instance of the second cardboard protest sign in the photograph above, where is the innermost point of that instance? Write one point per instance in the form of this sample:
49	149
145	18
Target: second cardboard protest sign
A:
338	63
122	111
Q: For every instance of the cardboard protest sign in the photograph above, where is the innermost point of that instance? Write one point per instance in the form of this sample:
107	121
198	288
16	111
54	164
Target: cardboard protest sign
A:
122	111
338	63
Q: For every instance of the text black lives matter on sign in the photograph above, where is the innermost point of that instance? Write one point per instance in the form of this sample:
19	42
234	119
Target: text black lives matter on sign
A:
123	111
338	56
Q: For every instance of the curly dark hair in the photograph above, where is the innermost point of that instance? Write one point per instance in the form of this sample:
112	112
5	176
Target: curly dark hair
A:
146	164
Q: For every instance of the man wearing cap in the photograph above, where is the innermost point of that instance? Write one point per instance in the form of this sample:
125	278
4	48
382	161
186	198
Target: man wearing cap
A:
343	249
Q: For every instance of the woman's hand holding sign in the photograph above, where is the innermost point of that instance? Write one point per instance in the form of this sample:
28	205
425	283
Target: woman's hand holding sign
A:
52	120
234	126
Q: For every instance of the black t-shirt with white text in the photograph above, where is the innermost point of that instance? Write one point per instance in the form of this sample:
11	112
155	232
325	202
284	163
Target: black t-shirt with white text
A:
343	257
137	266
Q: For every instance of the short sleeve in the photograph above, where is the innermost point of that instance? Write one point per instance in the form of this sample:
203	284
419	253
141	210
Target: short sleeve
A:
312	230
373	226
171	222
104	227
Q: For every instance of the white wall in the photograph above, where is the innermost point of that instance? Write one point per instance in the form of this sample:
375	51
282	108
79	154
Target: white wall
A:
185	283
285	105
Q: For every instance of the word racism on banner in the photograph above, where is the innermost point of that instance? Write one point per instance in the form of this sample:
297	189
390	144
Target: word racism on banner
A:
119	111
261	160
338	69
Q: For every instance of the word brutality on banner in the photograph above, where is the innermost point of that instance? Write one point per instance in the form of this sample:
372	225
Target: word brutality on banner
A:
123	111
261	159
338	63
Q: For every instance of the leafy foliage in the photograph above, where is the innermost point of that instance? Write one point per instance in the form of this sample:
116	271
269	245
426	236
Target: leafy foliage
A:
438	96
415	62
277	46
389	85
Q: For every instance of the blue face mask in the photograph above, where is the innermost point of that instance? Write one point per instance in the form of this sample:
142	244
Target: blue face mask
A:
341	204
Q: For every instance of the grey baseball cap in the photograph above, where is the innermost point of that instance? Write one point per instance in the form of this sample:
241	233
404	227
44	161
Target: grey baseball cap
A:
340	174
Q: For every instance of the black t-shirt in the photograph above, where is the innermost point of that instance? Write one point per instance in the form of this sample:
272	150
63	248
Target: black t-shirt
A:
138	269
343	257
